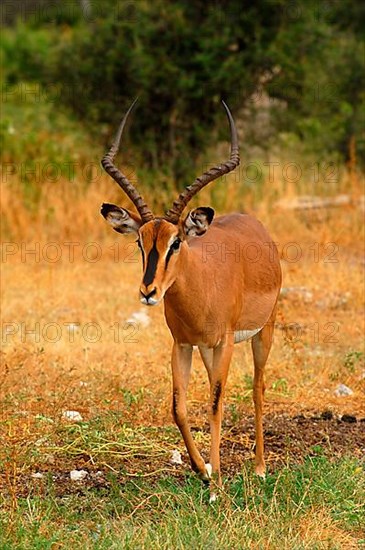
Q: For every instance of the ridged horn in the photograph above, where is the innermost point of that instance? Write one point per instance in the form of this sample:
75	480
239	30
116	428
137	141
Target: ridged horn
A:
108	165
174	213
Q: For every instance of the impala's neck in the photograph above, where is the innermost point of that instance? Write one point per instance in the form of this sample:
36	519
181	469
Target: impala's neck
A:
189	279
186	301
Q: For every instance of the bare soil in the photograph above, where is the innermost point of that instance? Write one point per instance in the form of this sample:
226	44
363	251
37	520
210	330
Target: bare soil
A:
288	441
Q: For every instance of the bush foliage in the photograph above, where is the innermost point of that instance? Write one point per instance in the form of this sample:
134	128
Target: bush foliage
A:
183	57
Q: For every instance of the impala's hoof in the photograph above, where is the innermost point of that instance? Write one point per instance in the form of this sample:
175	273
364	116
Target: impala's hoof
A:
261	472
213	497
208	469
207	476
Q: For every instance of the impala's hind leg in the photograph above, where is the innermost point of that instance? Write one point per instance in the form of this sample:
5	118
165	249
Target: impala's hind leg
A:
261	345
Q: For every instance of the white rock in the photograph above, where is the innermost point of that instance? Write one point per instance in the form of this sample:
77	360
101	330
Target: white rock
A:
78	475
297	292
74	416
140	317
176	457
37	475
343	390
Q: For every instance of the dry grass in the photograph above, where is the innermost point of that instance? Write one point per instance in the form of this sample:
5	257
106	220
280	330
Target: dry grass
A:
66	344
95	280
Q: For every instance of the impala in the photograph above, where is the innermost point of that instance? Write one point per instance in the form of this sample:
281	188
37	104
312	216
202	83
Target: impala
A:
219	280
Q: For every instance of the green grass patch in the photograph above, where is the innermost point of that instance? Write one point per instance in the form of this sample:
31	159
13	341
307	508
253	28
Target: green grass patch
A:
319	504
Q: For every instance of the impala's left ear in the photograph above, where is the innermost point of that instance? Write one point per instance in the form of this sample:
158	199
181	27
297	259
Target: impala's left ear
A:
198	221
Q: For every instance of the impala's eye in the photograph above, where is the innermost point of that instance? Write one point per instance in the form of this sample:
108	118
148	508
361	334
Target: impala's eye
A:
176	244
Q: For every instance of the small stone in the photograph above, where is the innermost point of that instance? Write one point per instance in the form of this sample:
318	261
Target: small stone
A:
37	475
327	415
297	293
343	390
139	318
78	475
74	416
348	418
176	457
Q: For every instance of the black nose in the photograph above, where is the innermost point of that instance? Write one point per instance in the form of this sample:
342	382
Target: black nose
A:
147	296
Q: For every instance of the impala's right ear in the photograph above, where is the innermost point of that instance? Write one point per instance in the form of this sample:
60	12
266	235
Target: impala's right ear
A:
120	219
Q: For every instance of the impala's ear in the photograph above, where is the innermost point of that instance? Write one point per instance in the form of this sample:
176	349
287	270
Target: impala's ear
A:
120	219
198	221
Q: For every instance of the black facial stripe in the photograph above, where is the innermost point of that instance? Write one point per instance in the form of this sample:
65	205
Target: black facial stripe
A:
151	266
142	252
168	256
173	248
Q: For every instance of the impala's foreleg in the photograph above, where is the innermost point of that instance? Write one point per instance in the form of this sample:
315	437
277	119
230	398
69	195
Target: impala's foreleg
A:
217	363
261	345
181	366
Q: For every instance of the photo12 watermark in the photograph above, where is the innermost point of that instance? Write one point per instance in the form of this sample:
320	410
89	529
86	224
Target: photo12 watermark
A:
120	252
69	331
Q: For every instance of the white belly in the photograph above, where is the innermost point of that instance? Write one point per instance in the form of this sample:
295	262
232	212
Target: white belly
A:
242	335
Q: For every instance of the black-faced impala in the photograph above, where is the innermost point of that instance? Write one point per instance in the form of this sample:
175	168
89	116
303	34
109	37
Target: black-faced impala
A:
219	281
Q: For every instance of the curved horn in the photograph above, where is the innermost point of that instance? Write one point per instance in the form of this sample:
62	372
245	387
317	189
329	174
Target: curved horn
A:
174	213
121	179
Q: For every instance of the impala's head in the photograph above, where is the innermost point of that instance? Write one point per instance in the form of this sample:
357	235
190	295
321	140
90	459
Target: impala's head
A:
161	239
160	242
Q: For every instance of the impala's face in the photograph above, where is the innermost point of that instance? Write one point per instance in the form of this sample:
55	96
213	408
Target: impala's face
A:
160	243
